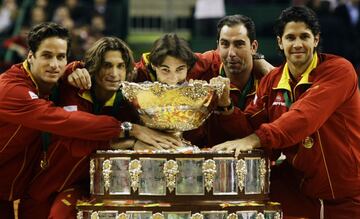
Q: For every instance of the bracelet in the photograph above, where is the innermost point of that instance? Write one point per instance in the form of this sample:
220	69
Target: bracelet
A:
258	56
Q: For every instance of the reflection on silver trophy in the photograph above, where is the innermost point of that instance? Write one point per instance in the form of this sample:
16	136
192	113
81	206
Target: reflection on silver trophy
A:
173	108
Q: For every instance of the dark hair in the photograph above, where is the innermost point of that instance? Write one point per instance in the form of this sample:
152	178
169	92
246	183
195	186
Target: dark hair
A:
94	56
233	20
297	14
172	45
42	31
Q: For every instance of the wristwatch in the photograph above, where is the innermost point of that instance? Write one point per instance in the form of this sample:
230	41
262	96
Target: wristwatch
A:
258	56
126	127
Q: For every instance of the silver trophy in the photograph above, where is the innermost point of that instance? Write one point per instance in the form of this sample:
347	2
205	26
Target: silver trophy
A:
173	108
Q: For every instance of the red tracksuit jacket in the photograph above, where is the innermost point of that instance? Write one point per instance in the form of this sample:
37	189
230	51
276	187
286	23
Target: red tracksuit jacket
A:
319	133
68	159
23	115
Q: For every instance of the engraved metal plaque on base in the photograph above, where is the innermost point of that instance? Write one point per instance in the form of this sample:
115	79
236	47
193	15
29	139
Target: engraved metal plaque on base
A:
177	215
139	214
152	180
120	178
214	214
190	179
225	178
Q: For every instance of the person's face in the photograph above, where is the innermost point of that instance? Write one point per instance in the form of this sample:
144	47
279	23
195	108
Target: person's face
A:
172	71
71	3
98	23
112	72
298	44
48	63
37	15
41	3
62	13
236	50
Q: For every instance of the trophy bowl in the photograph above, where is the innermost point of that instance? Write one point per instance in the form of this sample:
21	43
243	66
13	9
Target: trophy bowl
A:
172	107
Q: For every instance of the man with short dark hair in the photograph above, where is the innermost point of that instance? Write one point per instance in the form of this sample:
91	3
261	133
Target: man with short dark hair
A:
309	109
25	111
236	58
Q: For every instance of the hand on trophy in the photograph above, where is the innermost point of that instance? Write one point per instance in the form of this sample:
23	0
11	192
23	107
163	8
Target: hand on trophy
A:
155	138
248	143
223	100
141	146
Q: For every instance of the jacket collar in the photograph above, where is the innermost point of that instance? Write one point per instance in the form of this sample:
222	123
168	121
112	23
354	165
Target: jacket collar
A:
85	94
233	87
145	58
285	77
26	66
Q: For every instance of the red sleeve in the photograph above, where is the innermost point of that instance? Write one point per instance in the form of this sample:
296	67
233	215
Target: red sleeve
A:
255	110
142	72
197	136
228	127
18	104
71	67
240	123
335	84
206	67
80	148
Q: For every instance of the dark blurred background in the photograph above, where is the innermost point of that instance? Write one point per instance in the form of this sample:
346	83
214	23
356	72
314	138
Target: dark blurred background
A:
140	22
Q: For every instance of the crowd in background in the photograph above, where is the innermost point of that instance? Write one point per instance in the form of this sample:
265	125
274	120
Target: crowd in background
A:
89	20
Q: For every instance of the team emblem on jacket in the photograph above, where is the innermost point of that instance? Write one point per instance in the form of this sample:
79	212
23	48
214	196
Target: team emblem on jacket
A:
308	142
70	108
279	101
33	95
